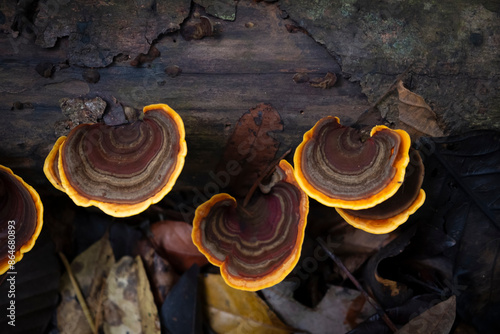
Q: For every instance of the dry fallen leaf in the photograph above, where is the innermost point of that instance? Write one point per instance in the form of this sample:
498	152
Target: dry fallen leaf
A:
90	269
232	311
162	276
339	310
436	320
182	312
415	112
129	307
174	239
250	150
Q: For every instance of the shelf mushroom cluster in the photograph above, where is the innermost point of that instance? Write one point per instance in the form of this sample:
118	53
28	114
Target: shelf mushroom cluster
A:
21	218
374	184
120	169
363	179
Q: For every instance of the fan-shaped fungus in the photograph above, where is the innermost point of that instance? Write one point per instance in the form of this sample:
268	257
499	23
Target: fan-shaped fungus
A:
258	245
120	169
335	167
388	215
50	166
21	218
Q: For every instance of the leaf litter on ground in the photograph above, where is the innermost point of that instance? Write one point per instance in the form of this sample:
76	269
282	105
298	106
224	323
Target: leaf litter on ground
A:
437	320
129	304
118	294
340	309
462	182
232	311
90	268
451	246
181	312
172	240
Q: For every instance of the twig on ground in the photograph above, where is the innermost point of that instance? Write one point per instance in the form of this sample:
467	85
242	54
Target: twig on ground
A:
79	294
373	302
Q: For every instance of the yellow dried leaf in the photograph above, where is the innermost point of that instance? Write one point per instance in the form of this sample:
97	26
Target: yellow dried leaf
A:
415	112
232	311
90	269
129	307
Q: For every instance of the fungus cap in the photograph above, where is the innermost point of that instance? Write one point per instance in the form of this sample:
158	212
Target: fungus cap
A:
334	166
384	225
21	217
50	167
388	215
259	245
121	169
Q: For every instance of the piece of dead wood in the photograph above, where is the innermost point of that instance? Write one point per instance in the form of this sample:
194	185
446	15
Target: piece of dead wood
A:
328	81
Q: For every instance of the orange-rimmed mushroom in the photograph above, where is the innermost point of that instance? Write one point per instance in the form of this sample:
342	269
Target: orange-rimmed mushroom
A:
386	225
21	218
337	168
50	167
121	169
388	215
258	245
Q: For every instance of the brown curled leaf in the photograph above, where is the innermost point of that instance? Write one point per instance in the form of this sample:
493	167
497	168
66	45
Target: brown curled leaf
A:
250	149
415	112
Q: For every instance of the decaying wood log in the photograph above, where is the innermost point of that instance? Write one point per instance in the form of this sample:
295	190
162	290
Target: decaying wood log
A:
252	60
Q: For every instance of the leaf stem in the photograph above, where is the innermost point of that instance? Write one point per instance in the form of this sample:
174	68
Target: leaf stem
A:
373	302
262	176
79	294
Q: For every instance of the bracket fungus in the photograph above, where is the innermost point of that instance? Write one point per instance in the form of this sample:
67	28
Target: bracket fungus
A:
50	167
388	215
256	245
335	167
120	169
360	178
21	213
